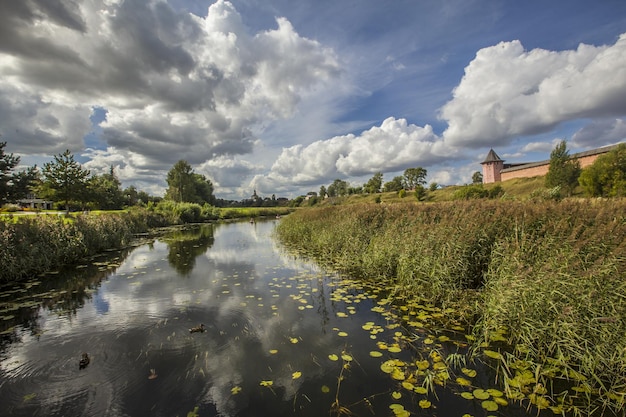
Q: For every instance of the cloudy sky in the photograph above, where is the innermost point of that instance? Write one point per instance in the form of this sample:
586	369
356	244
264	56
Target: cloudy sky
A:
284	96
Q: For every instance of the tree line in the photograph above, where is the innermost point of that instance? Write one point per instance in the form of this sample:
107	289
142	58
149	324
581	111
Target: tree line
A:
412	179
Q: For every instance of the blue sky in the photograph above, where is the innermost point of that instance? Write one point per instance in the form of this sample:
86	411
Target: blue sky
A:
285	96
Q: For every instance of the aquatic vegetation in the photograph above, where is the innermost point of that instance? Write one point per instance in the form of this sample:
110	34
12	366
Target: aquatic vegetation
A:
538	284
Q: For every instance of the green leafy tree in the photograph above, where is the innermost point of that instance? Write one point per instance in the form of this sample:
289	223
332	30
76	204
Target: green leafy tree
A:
396	184
64	180
337	188
131	196
606	177
355	190
180	183
433	186
106	191
564	171
203	189
374	184
420	192
414	177
323	192
184	185
477	177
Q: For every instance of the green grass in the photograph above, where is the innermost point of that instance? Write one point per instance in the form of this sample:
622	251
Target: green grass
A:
520	189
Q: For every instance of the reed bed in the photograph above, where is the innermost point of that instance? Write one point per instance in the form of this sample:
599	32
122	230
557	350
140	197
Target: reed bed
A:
34	244
550	276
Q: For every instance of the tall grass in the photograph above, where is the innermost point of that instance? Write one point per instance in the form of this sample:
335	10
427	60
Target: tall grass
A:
34	244
549	275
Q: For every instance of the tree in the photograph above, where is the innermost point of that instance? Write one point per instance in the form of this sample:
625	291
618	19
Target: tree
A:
180	183
184	185
477	177
203	189
64	180
374	184
420	192
105	191
23	182
564	171
337	188
414	177
7	164
131	196
433	186
396	184
606	177
322	192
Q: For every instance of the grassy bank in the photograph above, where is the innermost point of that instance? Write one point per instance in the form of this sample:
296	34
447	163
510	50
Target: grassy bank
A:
547	278
32	244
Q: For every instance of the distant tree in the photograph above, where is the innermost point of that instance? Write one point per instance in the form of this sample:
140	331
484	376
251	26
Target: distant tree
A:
374	184
433	186
414	177
564	171
396	184
203	189
355	190
337	188
23	183
64	180
184	185
131	196
606	177
477	177
323	192
180	183
420	192
12	184
106	191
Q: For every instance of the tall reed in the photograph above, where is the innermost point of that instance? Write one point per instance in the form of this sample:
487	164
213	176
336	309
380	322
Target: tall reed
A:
550	275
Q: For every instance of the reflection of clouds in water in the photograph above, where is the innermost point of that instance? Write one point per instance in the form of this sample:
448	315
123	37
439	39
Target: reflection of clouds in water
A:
239	289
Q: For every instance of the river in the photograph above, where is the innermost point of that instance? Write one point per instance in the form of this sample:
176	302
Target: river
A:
281	338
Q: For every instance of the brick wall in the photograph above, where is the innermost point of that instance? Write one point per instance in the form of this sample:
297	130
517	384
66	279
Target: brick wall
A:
538	170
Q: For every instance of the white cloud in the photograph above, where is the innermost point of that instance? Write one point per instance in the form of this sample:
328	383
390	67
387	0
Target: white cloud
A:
174	85
392	146
507	91
545	147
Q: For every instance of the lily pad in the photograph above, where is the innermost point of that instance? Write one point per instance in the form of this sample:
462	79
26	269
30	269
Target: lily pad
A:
481	394
489	405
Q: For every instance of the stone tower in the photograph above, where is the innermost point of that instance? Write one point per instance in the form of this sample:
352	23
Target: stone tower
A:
492	165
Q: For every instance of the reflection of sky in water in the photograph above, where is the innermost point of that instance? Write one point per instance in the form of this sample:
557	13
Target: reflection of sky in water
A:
253	300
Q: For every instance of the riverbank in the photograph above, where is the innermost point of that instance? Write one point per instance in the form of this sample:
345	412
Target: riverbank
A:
542	285
30	245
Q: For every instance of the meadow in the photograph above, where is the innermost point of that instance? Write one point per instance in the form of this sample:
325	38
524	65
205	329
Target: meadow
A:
542	284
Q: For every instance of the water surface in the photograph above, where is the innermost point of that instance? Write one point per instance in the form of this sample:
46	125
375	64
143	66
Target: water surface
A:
282	338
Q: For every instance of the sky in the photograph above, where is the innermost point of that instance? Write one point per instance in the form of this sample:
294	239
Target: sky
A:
283	96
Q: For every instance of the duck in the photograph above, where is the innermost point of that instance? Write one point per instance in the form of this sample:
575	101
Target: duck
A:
84	361
199	329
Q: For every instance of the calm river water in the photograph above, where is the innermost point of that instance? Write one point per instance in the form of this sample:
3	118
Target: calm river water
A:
282	338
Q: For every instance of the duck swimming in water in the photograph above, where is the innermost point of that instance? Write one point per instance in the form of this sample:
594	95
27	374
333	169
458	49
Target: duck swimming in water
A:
84	361
199	329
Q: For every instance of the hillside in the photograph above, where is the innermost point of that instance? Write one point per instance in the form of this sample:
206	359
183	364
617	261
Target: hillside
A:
517	189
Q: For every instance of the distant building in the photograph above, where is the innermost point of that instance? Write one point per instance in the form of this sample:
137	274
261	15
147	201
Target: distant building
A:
32	202
495	170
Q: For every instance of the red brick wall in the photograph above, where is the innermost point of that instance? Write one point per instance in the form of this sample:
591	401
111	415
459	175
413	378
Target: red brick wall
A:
535	171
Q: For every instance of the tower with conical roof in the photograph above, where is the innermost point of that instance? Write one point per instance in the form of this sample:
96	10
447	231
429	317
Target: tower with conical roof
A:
492	165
